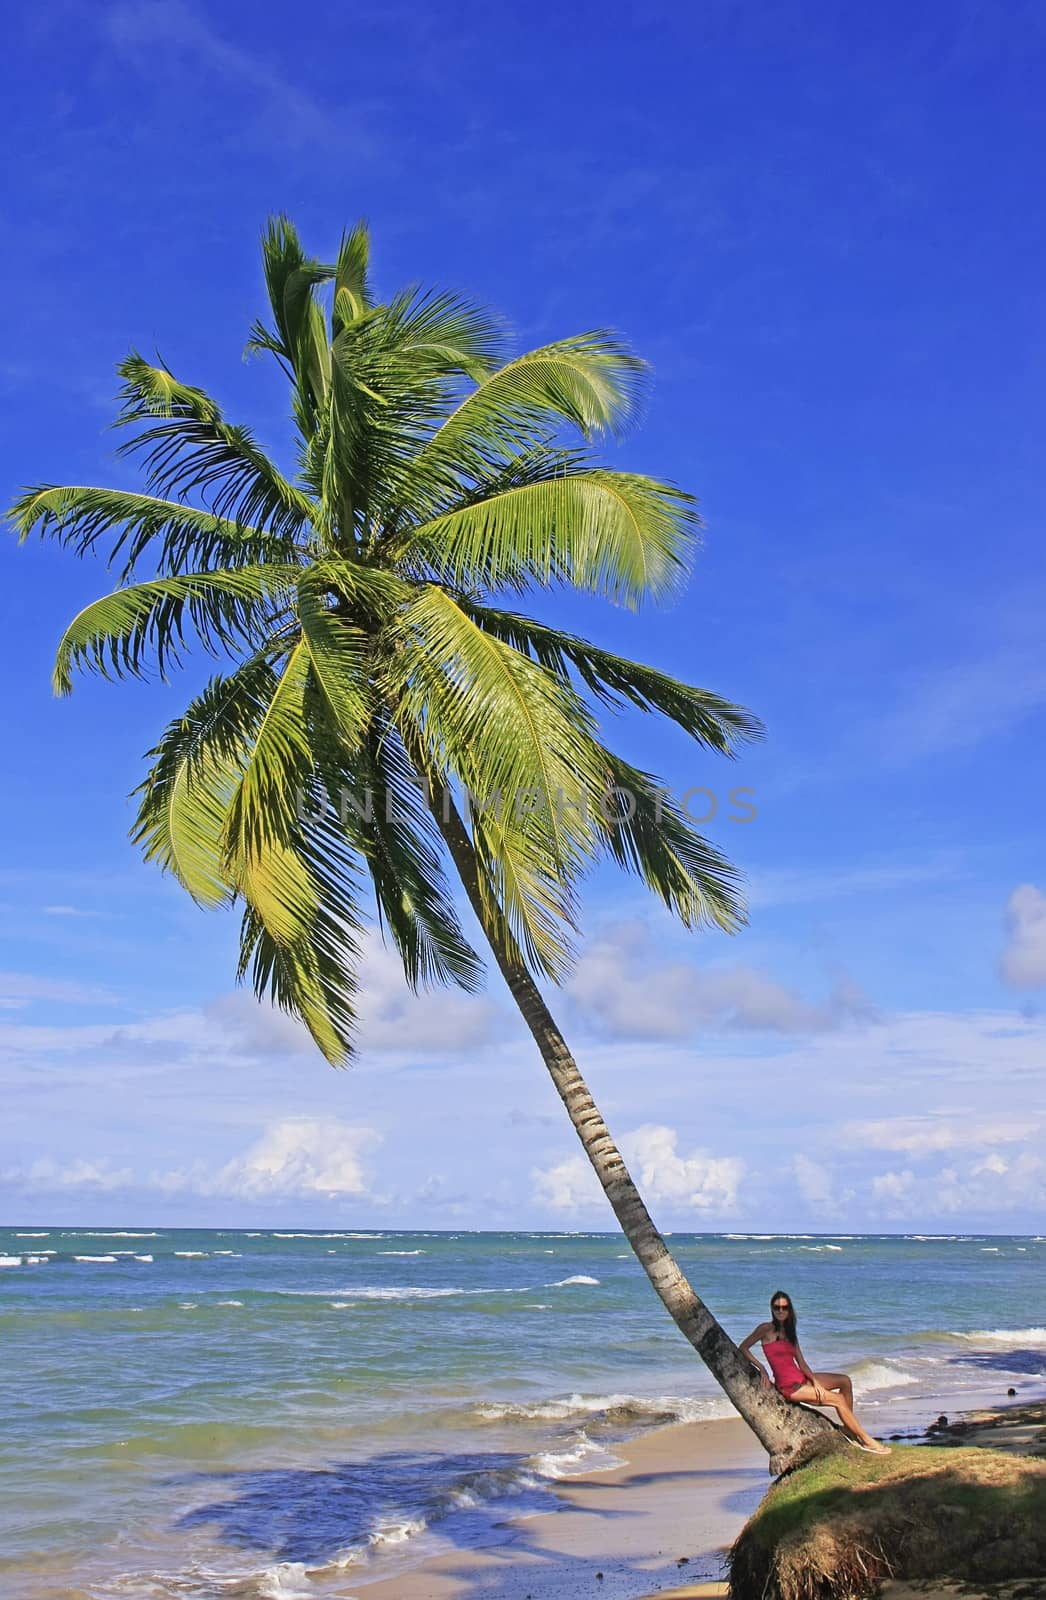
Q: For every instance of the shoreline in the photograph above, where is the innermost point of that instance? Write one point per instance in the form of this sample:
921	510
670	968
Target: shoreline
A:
660	1519
656	1526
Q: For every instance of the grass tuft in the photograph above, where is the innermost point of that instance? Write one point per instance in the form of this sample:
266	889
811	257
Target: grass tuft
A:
840	1526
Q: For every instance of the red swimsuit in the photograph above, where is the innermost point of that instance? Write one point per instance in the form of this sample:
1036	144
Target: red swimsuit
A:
788	1375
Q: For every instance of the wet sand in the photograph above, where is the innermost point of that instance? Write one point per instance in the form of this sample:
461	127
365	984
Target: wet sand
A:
658	1524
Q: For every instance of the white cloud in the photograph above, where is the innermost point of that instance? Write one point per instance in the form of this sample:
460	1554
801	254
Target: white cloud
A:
19	989
622	992
47	1174
987	1189
569	1185
432	1022
296	1156
816	1185
699	1182
930	1132
703	1182
893	1186
1024	958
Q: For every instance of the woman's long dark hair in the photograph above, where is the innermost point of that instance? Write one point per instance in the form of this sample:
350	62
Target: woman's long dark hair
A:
788	1326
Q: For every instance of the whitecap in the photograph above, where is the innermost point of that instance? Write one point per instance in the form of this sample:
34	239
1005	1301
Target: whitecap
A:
32	1235
572	1463
188	1253
391	1531
94	1258
1014	1337
579	1277
620	1408
370	1292
402	1252
10	1261
143	1258
869	1375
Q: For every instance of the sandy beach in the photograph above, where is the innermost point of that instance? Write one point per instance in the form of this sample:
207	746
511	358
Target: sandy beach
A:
657	1524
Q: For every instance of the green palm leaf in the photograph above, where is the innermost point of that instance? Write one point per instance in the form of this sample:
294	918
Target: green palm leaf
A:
384	814
289	859
647	834
113	635
612	533
592	382
520	743
176	536
194	451
196	767
614	681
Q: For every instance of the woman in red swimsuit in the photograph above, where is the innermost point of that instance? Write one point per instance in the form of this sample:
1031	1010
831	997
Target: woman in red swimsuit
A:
793	1378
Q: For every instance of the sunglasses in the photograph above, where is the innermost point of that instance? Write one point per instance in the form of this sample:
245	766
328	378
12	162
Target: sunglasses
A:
780	1305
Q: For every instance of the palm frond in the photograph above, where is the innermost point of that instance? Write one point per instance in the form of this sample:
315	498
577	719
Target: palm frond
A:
185	797
289	858
617	534
340	653
384	815
520	743
315	979
647	834
352	295
591	382
176	537
193	450
115	634
615	681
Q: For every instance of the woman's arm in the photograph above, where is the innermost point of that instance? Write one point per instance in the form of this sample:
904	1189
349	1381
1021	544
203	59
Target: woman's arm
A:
800	1361
746	1347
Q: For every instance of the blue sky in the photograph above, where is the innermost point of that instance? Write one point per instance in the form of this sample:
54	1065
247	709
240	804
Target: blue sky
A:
825	231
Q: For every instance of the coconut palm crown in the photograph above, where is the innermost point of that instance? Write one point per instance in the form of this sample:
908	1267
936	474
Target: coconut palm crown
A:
386	714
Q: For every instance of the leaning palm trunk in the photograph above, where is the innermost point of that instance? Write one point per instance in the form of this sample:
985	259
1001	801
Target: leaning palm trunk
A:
789	1433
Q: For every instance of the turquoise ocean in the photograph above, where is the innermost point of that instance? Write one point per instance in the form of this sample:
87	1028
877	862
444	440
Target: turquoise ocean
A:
265	1414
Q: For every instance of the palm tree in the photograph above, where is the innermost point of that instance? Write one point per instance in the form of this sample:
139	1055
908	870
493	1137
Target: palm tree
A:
385	712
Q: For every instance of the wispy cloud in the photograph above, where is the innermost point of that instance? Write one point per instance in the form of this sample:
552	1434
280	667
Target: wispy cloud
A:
933	1132
159	30
18	989
962	705
789	886
1024	958
622	991
296	1156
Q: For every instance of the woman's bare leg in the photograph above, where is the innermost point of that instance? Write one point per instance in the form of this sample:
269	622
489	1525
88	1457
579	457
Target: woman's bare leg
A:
816	1396
837	1380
